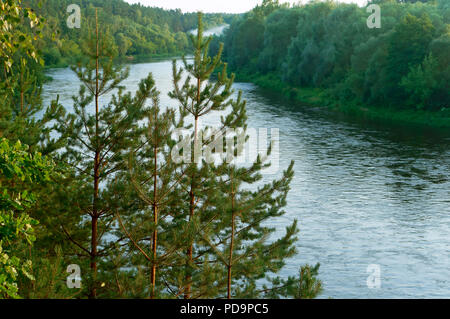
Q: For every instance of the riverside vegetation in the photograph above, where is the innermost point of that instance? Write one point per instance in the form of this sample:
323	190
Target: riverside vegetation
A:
322	53
138	32
98	188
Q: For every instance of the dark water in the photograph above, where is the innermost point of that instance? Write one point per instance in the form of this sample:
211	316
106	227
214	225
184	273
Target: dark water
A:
363	194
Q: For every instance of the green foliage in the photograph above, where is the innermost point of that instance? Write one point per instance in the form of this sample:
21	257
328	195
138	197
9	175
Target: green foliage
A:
138	31
407	47
17	165
50	276
20	89
12	38
306	286
245	38
25	172
309	286
420	83
281	27
328	45
428	85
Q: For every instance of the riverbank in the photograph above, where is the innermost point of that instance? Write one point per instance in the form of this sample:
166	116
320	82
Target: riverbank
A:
318	97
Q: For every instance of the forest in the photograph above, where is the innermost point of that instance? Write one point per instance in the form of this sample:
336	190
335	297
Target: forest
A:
138	32
323	53
92	203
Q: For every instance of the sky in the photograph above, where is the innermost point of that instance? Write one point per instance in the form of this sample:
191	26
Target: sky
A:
229	6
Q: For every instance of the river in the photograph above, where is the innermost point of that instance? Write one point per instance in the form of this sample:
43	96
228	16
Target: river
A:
363	194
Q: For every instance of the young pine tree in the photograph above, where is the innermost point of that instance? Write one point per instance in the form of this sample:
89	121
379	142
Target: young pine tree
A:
198	97
228	248
98	137
155	180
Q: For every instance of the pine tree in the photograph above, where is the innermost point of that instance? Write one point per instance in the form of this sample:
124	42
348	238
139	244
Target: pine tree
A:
240	237
199	98
227	241
155	178
97	141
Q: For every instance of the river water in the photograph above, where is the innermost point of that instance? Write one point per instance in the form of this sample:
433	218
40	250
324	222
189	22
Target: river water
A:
363	193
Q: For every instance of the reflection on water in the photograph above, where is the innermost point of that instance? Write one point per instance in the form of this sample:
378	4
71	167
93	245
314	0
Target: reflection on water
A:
363	194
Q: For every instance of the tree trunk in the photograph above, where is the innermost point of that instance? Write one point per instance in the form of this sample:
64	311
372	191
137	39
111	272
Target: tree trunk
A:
154	245
190	250
95	214
155	209
233	229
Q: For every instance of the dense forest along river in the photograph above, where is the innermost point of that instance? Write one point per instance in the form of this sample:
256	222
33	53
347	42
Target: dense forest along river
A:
362	194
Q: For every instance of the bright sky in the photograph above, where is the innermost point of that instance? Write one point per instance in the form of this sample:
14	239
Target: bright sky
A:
230	6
